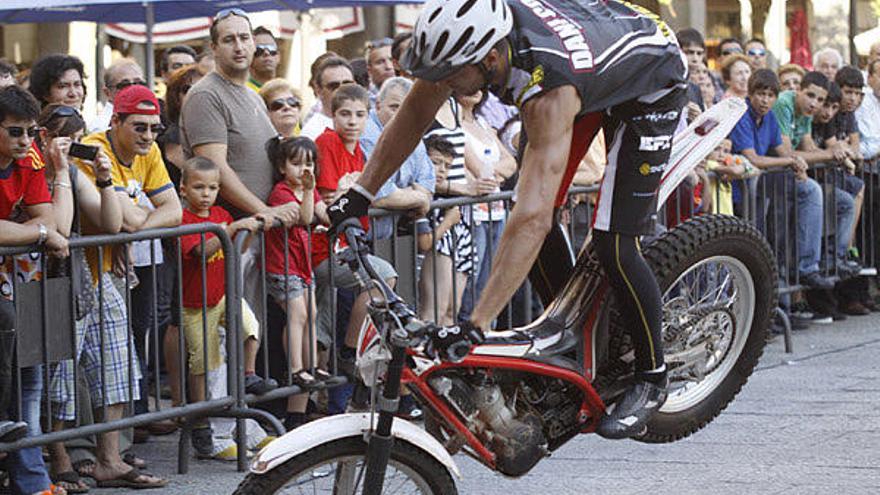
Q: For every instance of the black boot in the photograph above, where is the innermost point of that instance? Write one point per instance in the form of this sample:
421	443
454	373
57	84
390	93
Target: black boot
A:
632	412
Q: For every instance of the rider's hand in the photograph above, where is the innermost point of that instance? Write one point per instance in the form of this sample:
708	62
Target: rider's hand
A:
453	343
353	204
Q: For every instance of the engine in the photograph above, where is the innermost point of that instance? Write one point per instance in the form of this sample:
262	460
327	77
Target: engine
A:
489	407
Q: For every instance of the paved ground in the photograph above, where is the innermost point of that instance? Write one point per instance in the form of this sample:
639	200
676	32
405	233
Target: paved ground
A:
806	423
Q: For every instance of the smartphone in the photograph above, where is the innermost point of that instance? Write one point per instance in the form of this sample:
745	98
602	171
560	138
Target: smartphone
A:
83	151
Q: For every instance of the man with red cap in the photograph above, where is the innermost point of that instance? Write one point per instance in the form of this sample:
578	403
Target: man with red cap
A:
148	201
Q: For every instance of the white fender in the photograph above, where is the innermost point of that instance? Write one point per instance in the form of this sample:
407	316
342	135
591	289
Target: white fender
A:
690	147
339	426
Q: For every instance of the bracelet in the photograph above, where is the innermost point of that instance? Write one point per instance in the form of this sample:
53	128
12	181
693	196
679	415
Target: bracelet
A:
44	234
61	184
103	184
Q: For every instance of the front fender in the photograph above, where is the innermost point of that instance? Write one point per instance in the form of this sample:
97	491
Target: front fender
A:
331	428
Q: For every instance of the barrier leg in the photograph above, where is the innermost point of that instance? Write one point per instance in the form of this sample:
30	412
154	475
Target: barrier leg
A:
786	325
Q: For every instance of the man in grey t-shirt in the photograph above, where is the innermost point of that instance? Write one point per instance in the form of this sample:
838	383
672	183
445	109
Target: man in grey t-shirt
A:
225	121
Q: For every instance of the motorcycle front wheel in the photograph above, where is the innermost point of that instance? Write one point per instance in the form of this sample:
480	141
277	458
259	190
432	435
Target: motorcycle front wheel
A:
338	467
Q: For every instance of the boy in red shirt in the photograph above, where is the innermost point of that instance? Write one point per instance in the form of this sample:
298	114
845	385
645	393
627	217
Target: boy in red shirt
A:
199	186
340	162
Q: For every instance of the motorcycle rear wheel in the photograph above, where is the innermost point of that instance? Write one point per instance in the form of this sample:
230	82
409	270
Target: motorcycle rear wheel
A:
690	259
336	467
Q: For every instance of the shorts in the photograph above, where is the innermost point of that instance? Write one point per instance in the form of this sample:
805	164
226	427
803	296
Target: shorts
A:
344	278
114	373
195	335
284	287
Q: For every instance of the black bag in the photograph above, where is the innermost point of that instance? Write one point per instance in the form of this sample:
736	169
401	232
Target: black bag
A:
75	267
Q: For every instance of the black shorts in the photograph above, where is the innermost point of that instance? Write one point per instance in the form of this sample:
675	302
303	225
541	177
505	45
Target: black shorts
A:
638	138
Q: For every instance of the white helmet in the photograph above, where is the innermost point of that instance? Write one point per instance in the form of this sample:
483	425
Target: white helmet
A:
455	33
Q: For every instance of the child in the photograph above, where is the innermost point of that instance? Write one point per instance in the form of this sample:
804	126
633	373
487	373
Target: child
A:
726	167
199	186
341	161
436	282
288	267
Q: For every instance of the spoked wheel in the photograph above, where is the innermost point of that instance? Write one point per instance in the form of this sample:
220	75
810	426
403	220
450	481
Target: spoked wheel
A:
718	279
338	468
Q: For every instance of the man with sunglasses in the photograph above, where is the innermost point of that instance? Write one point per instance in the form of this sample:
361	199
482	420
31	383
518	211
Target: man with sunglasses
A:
148	201
120	75
23	190
264	66
757	53
332	73
227	122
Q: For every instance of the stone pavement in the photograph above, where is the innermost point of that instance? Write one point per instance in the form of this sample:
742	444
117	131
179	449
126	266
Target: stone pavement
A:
806	423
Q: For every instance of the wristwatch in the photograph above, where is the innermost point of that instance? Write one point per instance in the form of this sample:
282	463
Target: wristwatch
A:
103	184
44	234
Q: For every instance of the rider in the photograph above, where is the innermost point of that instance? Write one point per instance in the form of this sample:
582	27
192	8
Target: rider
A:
570	67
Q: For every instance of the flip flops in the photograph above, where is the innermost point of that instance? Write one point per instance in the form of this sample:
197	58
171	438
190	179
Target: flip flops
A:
132	479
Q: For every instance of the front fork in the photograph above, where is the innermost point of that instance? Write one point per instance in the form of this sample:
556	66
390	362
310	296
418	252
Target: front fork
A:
379	446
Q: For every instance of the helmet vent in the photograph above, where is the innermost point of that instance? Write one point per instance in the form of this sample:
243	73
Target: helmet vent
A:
462	40
494	5
485	39
441	44
423	42
435	14
465	8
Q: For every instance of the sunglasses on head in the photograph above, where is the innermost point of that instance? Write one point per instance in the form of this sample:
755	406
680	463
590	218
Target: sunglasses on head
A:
757	52
18	131
124	84
731	51
271	50
379	43
284	102
333	86
223	14
62	111
155	129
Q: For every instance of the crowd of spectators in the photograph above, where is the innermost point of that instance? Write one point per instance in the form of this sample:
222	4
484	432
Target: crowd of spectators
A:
232	144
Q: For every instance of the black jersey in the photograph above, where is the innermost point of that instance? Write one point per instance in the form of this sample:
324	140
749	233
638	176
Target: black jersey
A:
610	51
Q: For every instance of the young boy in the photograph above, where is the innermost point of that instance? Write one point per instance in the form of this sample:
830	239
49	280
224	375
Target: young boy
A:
727	167
200	185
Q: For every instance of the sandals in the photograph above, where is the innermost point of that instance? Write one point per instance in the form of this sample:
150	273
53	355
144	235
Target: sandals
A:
134	461
303	379
70	481
133	480
85	468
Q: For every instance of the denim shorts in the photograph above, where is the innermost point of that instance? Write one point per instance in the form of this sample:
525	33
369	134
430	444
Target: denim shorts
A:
282	287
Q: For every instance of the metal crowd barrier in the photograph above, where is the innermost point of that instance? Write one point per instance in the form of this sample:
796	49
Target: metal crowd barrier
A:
762	201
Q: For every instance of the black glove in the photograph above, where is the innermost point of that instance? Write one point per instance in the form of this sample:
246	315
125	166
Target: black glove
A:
453	343
352	204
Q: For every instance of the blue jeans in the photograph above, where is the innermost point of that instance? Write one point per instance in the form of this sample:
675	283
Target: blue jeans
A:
26	468
809	225
846	217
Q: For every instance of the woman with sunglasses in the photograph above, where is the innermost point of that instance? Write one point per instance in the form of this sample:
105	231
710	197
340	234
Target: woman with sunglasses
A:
284	103
73	195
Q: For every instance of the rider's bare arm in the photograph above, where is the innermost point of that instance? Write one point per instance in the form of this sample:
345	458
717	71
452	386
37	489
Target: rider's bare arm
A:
548	121
402	134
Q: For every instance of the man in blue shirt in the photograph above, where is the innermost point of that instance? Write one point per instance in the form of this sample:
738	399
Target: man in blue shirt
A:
755	136
412	186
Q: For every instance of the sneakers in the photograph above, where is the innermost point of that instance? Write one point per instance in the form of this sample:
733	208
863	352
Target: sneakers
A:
814	280
203	442
848	268
854	308
257	385
633	410
12	431
822	318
